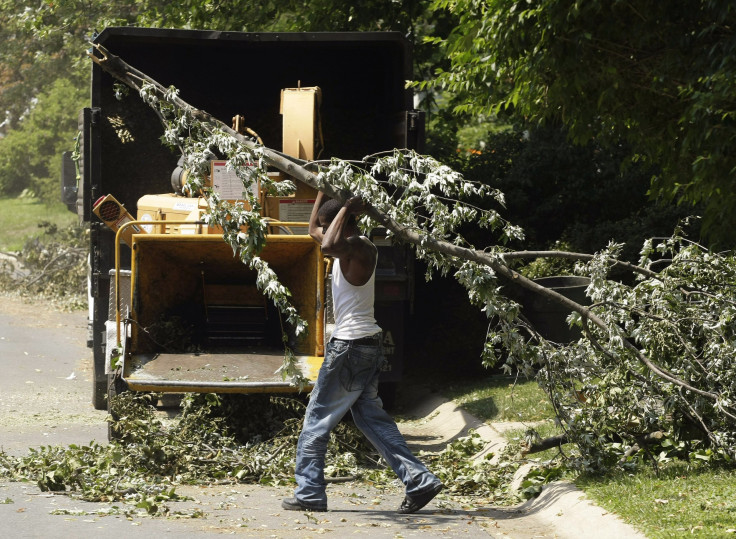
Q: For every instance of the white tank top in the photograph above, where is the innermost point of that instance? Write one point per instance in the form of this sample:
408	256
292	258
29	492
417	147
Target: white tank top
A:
353	306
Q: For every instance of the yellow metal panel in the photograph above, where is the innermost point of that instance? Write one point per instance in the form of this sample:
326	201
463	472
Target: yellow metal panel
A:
157	210
300	125
170	276
243	372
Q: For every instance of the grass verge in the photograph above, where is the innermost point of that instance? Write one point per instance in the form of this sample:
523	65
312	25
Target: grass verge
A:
19	219
673	499
501	398
683	499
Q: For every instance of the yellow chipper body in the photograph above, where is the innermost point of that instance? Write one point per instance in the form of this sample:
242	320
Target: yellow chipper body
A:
199	323
189	316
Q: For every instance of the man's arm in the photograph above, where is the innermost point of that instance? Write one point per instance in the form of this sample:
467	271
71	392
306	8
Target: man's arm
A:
357	254
315	230
335	241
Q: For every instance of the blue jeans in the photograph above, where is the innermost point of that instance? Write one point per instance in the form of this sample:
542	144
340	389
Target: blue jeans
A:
348	380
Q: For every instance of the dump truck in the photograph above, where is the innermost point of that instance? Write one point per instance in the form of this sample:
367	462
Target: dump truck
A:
171	309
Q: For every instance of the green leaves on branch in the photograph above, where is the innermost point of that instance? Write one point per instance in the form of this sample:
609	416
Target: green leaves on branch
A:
655	356
663	363
418	193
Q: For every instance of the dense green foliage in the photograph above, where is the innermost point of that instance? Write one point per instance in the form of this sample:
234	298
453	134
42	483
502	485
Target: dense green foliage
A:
662	362
655	74
46	41
30	155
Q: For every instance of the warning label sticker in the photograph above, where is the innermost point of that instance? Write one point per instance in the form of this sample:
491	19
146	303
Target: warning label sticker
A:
296	210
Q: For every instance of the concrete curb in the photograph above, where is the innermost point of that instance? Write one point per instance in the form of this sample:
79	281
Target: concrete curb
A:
562	510
566	510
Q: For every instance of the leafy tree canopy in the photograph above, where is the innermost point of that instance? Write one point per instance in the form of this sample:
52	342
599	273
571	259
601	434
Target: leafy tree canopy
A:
45	41
30	155
655	74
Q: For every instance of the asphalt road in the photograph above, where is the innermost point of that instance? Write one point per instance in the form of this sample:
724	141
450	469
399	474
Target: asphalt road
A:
45	399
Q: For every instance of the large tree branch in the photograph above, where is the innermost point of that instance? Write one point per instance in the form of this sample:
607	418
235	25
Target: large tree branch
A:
578	256
300	170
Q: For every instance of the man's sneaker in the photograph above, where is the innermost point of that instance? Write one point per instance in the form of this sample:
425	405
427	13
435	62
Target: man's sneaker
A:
292	504
415	503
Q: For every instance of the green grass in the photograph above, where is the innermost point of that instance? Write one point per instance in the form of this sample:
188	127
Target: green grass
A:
680	499
501	398
19	218
692	500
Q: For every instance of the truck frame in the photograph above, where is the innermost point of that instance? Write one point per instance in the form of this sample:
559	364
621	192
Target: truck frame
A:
164	285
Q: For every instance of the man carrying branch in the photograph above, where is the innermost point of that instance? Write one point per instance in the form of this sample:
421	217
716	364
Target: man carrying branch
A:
348	378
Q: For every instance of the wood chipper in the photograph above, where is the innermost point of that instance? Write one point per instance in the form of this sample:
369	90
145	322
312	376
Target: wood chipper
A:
164	285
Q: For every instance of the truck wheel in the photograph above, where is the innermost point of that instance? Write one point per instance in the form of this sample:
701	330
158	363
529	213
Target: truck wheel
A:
115	386
99	394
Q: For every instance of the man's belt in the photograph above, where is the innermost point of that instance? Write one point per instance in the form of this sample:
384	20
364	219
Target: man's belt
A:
366	341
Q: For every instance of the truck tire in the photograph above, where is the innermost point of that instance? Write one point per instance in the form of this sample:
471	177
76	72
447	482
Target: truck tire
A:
99	379
99	393
115	386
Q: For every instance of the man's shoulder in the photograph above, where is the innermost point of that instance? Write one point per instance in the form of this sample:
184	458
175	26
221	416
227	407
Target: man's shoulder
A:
367	241
368	248
360	261
362	243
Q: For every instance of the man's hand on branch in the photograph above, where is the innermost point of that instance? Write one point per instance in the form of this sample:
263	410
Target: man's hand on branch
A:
355	205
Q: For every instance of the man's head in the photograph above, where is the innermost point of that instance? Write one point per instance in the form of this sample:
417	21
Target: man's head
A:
328	211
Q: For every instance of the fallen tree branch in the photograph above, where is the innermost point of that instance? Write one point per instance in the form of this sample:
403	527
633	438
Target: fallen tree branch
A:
562	439
544	444
41	274
642	442
300	170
